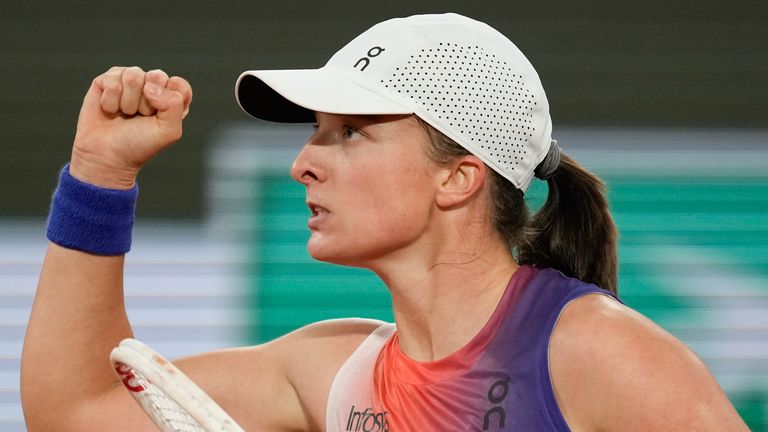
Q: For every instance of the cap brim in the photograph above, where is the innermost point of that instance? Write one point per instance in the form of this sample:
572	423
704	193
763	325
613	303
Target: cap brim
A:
293	96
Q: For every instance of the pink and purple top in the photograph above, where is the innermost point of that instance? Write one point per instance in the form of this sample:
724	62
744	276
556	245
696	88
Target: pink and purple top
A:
498	381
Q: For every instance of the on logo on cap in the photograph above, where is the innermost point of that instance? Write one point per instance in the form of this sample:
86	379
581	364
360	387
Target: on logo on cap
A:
365	61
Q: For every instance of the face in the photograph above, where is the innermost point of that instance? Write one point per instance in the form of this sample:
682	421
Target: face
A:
369	187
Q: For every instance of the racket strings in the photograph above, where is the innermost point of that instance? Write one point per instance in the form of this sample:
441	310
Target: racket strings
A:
163	409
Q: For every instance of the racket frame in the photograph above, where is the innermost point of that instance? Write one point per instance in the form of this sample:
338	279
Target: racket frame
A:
131	355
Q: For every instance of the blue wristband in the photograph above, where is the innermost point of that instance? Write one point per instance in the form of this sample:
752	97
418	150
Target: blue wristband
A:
91	219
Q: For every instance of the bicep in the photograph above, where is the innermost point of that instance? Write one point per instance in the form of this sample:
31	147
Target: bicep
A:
284	384
613	369
251	385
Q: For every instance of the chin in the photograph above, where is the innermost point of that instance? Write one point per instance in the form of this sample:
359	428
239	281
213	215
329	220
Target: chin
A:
333	254
337	259
327	254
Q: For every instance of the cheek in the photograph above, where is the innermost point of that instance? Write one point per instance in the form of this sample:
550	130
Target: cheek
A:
382	211
380	203
394	202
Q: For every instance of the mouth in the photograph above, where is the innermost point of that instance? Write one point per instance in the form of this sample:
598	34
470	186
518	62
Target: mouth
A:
316	210
318	215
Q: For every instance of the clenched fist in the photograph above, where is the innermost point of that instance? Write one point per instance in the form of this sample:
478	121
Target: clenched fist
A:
128	116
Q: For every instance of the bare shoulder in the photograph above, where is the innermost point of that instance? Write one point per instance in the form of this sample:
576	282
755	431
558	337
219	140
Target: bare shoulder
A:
343	330
329	341
282	384
614	369
324	344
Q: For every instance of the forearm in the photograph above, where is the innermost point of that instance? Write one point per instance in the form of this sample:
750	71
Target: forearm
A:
78	316
128	116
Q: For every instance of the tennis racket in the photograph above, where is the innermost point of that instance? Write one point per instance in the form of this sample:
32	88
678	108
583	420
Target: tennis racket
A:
171	399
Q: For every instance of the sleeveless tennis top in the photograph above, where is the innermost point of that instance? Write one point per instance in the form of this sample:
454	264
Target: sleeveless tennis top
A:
499	381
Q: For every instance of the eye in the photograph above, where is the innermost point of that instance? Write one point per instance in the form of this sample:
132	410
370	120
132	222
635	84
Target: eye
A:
350	132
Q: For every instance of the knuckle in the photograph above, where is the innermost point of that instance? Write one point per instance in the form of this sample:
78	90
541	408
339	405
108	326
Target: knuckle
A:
111	74
134	82
111	86
176	98
134	70
178	83
157	73
133	77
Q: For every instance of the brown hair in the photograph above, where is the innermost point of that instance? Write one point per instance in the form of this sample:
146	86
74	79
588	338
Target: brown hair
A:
573	231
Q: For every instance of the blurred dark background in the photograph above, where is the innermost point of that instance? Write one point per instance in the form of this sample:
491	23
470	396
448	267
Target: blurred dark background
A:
603	63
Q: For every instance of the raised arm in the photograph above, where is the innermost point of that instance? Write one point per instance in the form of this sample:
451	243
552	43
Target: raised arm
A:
78	316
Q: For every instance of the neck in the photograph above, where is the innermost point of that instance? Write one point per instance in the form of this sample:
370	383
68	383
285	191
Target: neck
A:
440	304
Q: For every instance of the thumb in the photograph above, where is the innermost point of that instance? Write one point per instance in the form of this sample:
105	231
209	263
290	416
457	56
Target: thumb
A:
170	109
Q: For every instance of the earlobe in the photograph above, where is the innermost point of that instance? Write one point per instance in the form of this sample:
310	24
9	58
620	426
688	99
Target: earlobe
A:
461	181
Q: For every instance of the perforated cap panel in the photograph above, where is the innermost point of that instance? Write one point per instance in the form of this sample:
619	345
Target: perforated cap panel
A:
475	93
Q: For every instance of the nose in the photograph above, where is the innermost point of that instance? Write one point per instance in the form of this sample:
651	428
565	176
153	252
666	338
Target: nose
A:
304	168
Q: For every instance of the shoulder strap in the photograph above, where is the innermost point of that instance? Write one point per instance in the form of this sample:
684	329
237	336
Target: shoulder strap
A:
352	383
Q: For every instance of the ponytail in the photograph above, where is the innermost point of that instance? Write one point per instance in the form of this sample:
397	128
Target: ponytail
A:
574	231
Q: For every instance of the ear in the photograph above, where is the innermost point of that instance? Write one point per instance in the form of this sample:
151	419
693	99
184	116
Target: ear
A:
461	180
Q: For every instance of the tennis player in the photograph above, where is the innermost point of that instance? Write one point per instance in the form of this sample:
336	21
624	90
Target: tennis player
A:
428	131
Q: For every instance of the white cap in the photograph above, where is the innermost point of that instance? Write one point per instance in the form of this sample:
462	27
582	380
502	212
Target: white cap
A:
459	75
